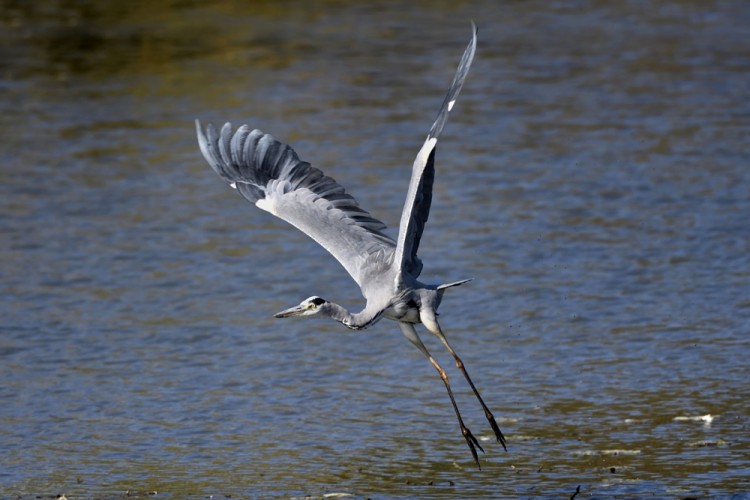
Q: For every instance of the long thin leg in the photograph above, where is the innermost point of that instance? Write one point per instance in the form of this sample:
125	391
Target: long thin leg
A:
430	322
411	334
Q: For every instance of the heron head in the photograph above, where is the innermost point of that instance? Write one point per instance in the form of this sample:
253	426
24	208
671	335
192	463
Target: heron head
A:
308	307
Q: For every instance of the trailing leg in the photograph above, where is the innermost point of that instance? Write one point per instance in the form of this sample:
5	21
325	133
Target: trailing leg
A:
430	322
411	334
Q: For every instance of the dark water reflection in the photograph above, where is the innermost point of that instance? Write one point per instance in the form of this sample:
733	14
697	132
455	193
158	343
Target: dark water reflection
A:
593	179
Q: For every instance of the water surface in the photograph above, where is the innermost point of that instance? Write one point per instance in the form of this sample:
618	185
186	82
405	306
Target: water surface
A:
593	179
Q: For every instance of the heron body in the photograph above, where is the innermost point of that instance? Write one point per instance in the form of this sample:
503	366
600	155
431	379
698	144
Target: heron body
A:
269	174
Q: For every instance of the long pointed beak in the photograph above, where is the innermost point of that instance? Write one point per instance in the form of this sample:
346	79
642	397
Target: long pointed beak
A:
291	312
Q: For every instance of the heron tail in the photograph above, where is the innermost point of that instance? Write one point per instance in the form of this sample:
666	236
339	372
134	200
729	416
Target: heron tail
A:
455	283
441	288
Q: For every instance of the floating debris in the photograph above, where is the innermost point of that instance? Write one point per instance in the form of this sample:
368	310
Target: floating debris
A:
707	443
324	496
706	419
607	453
617	452
576	492
525	437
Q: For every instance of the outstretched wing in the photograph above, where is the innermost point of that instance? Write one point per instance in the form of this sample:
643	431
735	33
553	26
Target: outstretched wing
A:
418	198
271	175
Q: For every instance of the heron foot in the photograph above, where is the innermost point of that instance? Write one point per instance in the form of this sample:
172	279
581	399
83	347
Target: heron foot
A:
473	444
496	429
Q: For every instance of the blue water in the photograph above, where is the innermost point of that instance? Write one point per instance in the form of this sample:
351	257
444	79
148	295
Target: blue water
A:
593	179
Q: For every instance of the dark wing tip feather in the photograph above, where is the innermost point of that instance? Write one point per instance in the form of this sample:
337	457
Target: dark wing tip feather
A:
251	159
456	84
248	158
419	198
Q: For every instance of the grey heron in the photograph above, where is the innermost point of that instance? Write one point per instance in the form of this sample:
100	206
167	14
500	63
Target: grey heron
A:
269	174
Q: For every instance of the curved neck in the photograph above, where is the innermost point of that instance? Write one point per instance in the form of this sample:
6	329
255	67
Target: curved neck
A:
357	321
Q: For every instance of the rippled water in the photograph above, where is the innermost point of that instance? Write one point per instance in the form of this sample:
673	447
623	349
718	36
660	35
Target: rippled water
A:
593	179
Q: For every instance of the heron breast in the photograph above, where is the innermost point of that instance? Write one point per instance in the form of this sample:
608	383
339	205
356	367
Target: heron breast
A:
407	312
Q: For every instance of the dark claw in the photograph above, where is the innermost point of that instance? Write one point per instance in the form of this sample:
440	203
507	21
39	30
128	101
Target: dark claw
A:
496	430
473	444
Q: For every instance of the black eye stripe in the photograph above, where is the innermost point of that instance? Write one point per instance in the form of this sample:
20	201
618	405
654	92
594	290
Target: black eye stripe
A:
318	301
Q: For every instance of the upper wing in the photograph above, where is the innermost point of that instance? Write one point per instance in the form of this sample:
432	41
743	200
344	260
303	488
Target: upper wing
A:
418	198
271	175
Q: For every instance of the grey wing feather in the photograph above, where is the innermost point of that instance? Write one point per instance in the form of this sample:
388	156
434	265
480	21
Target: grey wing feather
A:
419	196
271	175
